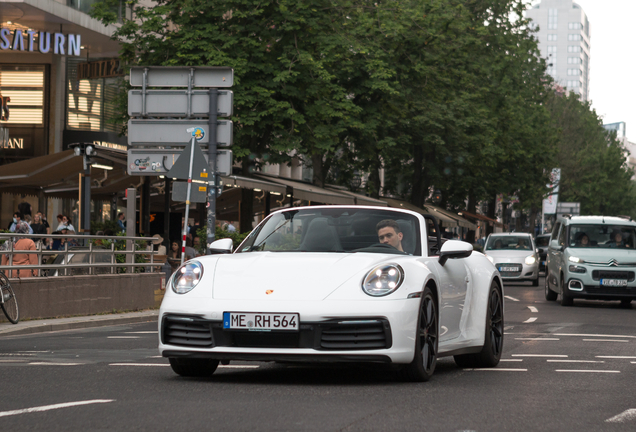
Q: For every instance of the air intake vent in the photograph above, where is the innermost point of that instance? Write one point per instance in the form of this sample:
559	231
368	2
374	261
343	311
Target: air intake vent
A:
356	335
187	331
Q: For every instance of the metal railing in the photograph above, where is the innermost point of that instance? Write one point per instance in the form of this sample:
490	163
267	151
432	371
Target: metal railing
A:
92	245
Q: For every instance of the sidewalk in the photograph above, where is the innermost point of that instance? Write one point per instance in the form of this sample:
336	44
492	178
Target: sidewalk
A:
56	324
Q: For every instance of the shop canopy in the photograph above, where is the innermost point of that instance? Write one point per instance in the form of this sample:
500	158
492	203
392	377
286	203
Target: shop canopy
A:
311	193
444	220
460	220
491	222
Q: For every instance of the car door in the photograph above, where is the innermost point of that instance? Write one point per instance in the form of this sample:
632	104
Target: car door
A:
453	279
551	262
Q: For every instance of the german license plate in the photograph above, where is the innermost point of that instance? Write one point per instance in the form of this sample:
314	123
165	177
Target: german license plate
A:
508	269
256	321
614	282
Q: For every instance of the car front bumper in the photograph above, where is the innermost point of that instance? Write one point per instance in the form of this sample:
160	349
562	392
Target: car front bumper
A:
587	286
527	273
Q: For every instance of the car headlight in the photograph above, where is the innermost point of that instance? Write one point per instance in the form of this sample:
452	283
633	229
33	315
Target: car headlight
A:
383	280
575	259
531	259
492	260
187	277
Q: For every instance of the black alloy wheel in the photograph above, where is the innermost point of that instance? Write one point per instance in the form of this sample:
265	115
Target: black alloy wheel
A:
9	303
490	354
566	300
626	303
426	343
549	294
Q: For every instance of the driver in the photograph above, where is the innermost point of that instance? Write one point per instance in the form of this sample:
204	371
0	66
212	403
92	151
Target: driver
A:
389	233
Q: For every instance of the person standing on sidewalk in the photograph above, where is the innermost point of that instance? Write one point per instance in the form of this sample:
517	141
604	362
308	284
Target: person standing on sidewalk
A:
21	244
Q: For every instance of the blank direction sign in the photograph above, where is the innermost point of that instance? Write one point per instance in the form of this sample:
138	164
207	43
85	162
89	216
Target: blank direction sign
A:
148	162
162	132
179	76
174	103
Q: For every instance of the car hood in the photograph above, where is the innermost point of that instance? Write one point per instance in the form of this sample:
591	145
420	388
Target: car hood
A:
509	255
603	255
289	276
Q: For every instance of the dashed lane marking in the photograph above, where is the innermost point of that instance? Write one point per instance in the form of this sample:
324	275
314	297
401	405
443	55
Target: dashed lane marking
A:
54	364
138	364
530	320
123	337
143	332
239	366
539	339
533	309
595	335
511	360
605	340
52	407
625	416
617	357
587	370
498	369
575	361
511	298
540	355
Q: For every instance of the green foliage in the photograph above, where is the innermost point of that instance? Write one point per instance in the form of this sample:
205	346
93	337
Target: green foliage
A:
103	226
219	233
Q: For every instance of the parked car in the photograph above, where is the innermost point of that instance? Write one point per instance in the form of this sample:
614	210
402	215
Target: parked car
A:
335	284
515	256
542	242
592	257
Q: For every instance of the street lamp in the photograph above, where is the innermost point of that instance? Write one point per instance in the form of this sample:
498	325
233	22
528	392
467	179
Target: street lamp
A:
86	150
437	196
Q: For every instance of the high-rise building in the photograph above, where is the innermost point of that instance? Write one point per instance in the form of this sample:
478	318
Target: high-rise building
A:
564	40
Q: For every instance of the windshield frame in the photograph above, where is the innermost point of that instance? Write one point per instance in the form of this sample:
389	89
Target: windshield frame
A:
575	230
492	239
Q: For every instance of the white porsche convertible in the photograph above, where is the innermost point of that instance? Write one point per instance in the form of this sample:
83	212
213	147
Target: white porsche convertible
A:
335	284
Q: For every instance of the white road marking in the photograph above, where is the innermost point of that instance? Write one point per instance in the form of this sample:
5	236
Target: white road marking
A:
575	361
123	337
138	364
143	332
52	407
587	370
15	354
594	335
539	355
511	360
239	366
617	357
633	362
54	364
14	361
605	340
539	339
155	357
533	309
511	298
34	351
529	320
498	369
626	415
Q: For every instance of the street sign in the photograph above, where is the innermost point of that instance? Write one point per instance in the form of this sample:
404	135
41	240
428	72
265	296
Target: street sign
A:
180	76
174	103
162	132
144	162
187	166
198	193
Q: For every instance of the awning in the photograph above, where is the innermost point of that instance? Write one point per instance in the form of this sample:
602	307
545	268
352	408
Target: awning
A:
254	183
309	192
444	220
360	199
483	218
460	220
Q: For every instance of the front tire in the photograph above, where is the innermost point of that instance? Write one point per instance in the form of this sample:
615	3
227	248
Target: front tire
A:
10	304
626	303
490	354
199	368
549	294
426	342
566	300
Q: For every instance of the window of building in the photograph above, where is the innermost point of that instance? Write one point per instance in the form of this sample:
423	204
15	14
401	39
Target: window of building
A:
552	19
574	60
574	48
573	84
552	49
574	26
25	86
552	37
574	37
574	72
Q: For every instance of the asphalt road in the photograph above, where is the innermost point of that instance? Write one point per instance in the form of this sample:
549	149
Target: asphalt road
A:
563	369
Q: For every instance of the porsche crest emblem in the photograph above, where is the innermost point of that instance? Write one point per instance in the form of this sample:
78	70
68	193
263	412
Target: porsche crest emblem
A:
268	292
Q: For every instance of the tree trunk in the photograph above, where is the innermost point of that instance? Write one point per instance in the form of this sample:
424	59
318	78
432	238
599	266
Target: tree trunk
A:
246	208
491	214
316	164
472	208
417	193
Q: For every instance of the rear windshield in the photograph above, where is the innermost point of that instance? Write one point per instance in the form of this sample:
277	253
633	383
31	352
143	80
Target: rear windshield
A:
542	241
509	243
602	236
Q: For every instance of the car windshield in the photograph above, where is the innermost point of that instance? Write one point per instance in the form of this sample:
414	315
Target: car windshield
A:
509	243
337	230
602	236
542	241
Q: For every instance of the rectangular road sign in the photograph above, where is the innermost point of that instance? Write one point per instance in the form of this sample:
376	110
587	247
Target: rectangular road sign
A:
174	103
151	162
198	192
179	76
151	132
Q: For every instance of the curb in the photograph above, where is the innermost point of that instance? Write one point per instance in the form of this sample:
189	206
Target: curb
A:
88	322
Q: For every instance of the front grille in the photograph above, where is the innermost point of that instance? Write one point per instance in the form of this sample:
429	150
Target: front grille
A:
186	331
354	335
251	339
613	274
595	289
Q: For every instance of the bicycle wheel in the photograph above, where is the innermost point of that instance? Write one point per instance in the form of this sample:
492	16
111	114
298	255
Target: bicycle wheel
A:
10	304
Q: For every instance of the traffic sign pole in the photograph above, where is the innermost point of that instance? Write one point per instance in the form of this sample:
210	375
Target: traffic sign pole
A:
187	209
212	182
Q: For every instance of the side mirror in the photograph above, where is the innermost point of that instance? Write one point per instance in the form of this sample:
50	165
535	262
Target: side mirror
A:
223	246
454	249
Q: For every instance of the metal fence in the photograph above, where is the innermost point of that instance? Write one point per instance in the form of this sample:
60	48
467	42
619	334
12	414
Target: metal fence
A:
87	254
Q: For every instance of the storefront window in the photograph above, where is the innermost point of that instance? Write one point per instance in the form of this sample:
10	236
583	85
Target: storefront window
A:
24	85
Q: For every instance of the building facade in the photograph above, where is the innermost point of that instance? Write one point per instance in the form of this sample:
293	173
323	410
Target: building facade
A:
564	40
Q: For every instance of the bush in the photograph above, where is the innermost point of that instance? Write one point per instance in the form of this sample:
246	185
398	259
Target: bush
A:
103	226
219	233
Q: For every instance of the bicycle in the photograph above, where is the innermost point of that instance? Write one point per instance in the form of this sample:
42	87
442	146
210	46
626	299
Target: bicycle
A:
8	302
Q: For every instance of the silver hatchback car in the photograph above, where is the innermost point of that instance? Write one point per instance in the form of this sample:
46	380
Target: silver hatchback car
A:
514	255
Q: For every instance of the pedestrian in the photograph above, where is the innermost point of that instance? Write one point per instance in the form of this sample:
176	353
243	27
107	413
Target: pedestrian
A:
17	218
60	225
158	240
44	222
24	207
121	221
66	224
21	244
39	228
